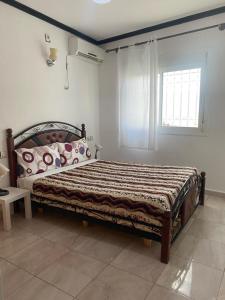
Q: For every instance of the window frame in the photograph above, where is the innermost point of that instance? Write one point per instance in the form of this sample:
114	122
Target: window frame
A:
176	130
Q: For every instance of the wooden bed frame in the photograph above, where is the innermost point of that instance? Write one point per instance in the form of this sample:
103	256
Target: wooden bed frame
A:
49	132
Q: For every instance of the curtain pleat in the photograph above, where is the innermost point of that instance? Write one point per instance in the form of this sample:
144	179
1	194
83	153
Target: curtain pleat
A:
137	92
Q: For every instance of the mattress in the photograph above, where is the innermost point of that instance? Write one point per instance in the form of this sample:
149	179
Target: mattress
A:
135	195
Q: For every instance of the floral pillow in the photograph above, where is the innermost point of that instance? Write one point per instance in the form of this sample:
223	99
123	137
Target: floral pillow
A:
37	160
74	152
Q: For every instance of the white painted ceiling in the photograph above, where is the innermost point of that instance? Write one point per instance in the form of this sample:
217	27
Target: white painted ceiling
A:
119	16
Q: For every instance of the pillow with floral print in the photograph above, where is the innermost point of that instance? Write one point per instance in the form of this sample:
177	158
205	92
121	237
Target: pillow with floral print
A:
74	152
37	160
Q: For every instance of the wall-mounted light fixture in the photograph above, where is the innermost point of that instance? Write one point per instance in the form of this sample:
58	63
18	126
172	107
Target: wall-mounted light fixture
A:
52	57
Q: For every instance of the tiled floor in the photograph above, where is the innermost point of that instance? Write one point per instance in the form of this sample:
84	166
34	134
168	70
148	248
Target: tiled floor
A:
53	257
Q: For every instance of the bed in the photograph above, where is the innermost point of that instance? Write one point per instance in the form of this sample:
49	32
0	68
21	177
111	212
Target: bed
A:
154	202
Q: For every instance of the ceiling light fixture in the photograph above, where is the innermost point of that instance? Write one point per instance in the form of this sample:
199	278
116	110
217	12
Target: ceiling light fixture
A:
102	1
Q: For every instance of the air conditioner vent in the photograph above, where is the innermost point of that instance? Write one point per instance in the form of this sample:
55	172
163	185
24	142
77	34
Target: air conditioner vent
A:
96	59
84	49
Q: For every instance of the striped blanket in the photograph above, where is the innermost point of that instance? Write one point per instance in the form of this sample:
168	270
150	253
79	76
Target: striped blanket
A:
136	192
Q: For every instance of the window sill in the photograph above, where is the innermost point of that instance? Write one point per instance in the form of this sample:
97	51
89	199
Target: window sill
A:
182	131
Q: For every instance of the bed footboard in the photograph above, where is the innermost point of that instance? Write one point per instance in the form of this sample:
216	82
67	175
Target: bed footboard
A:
194	197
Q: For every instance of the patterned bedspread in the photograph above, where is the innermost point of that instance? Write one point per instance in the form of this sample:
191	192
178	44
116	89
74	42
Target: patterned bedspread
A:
133	192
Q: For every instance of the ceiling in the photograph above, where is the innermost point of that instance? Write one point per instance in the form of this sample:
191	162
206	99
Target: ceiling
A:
119	16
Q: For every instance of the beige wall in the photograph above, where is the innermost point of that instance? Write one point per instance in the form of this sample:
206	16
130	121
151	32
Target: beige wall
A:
205	152
32	92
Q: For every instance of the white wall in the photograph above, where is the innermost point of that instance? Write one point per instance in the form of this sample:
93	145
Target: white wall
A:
32	92
205	152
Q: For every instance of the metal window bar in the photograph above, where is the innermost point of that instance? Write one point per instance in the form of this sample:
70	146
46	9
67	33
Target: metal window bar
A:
182	111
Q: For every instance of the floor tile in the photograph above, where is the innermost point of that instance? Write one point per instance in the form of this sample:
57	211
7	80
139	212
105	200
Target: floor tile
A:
197	212
37	225
185	246
104	246
215	202
113	284
36	289
209	230
15	240
212	214
161	293
188	224
207	252
12	277
210	253
63	236
141	261
191	279
38	256
72	272
206	195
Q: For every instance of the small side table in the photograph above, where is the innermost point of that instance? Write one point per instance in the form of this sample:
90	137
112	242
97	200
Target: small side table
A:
14	195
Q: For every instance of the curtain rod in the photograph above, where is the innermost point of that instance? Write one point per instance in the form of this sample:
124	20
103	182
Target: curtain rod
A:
220	26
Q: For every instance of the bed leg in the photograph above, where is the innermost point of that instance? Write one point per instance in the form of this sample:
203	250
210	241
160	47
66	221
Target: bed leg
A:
85	223
147	243
166	238
40	210
202	191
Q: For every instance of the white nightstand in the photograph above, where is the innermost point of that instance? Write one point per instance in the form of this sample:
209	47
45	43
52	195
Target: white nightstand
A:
14	195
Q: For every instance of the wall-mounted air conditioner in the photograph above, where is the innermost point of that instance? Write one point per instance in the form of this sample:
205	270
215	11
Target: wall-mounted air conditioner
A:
84	49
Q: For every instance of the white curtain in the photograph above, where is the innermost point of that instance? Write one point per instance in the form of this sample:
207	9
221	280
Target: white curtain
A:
137	93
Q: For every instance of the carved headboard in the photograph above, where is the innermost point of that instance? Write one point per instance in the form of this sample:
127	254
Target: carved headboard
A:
39	135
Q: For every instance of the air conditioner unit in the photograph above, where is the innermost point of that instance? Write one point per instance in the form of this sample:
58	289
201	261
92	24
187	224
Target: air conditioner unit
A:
84	49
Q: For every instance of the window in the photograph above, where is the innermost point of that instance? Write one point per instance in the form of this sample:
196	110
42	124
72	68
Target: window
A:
181	100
